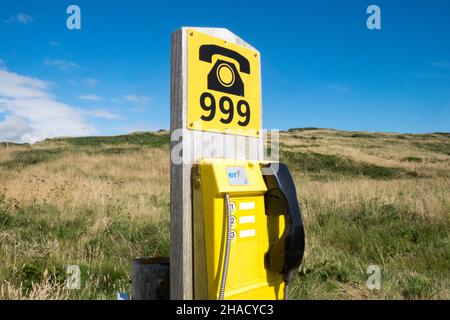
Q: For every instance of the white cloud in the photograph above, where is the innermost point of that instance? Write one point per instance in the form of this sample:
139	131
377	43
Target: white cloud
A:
441	64
101	113
22	18
61	64
90	97
53	43
138	109
338	88
91	82
11	19
15	128
136	98
33	114
14	86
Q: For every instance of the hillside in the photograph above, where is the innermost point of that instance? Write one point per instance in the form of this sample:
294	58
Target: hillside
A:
98	202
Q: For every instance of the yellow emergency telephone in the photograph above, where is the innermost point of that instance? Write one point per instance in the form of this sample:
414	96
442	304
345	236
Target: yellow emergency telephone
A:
248	230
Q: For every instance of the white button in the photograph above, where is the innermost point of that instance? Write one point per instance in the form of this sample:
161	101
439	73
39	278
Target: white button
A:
247	205
247	219
247	233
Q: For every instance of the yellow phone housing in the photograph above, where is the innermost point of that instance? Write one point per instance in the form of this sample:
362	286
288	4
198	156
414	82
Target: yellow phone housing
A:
253	231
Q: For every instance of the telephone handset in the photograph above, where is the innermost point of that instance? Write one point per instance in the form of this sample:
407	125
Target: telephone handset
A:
208	50
224	76
281	198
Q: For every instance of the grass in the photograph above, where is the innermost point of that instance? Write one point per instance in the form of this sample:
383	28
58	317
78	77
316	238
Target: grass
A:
328	166
441	147
364	135
31	157
141	139
412	159
99	202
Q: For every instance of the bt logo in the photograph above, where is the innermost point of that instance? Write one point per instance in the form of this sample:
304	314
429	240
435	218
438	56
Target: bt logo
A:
237	176
234	175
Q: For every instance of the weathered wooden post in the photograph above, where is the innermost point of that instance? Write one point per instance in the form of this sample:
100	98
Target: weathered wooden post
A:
185	151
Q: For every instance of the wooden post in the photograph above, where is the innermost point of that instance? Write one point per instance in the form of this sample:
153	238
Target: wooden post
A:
181	255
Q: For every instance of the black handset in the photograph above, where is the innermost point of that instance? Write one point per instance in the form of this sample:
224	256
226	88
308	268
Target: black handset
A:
208	50
281	198
224	76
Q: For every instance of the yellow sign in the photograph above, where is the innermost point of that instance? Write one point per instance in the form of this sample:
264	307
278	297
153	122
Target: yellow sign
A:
223	86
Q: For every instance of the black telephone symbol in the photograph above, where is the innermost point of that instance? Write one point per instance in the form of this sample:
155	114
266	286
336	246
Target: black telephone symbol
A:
224	76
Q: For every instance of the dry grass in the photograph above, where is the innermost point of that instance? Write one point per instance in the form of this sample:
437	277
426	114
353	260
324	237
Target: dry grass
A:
45	290
367	198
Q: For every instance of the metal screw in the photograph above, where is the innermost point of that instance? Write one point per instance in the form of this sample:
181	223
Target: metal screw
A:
191	33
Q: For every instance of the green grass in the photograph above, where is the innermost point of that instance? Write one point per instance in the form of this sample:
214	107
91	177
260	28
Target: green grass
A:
31	157
406	247
439	147
119	241
112	150
364	136
142	139
322	165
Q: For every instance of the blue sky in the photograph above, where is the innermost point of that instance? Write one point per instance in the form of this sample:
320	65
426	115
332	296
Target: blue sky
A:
321	66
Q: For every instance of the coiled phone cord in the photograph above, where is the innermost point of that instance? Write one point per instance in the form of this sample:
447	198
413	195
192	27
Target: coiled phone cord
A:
227	248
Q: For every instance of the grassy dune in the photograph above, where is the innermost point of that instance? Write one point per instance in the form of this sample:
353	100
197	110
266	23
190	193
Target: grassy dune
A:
367	199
